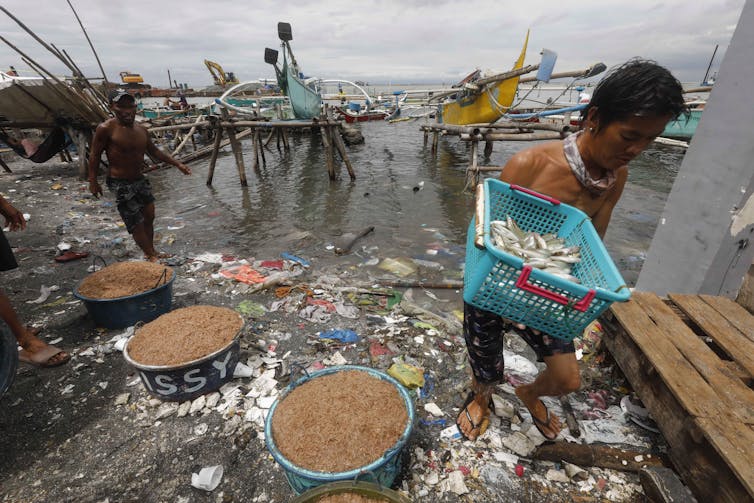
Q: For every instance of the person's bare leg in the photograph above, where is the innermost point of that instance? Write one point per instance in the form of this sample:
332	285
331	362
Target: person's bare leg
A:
478	409
143	233
559	378
24	337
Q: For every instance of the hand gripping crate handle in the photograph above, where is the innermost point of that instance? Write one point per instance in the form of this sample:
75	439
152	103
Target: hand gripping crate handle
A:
523	284
549	199
479	217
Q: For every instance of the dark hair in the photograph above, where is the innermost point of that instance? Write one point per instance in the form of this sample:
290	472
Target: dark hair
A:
638	87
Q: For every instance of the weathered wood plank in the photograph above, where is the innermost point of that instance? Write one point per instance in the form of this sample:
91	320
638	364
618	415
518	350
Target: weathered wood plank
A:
726	335
693	392
732	395
735	443
733	312
699	464
602	456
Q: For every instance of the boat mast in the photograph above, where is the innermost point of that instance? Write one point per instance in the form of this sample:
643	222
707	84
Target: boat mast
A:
706	74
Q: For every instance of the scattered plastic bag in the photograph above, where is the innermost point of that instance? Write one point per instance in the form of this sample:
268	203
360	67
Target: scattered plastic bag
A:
252	309
407	375
344	336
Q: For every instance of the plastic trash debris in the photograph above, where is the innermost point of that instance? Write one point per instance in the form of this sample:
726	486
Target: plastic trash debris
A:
407	375
502	407
344	336
434	422
242	370
44	293
556	475
433	409
243	273
454	483
519	443
519	470
638	414
252	309
574	472
518	364
399	266
294	258
336	359
208	478
450	433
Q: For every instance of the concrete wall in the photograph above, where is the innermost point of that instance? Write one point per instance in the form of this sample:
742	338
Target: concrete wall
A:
704	242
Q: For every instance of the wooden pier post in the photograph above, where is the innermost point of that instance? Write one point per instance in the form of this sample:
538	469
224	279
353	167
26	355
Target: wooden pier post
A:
261	145
426	137
343	155
473	171
329	155
435	140
236	146
255	145
487	149
215	151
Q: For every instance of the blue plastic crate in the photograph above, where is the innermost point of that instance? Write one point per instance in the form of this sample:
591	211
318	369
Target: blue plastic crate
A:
500	282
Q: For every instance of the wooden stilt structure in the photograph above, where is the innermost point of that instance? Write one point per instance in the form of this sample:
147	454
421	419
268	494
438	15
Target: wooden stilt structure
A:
225	125
489	133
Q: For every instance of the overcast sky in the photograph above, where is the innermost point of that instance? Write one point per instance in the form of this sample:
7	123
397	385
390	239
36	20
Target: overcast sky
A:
379	41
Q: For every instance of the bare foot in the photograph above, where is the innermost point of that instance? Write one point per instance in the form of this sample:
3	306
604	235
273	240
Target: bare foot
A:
474	418
547	424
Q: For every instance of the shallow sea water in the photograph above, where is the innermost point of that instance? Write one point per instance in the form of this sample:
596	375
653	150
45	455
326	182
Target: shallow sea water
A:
414	199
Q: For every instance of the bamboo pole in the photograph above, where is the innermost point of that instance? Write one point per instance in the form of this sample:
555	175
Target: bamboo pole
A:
286	144
255	144
34	36
188	135
236	146
487	149
329	157
260	145
343	155
99	63
514	136
269	138
215	151
473	166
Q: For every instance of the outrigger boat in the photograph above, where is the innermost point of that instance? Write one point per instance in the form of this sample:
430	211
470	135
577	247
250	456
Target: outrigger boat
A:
484	100
303	94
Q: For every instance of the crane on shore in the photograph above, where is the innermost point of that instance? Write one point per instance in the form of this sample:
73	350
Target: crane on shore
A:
219	75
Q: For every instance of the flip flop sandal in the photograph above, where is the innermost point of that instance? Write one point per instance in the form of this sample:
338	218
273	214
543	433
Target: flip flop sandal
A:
481	426
539	424
71	255
42	357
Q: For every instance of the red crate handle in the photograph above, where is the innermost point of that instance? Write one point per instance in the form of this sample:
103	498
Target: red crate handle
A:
523	284
549	199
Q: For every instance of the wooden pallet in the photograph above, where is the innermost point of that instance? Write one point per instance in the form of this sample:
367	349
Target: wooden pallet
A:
691	361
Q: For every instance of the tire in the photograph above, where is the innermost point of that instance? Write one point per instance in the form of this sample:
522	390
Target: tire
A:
8	357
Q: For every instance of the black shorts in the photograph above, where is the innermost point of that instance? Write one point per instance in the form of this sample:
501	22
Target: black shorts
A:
131	197
484	332
7	259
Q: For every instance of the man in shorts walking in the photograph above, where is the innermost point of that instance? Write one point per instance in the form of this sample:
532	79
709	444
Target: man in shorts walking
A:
125	142
629	109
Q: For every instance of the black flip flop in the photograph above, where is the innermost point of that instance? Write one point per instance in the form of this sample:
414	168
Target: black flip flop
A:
464	410
546	423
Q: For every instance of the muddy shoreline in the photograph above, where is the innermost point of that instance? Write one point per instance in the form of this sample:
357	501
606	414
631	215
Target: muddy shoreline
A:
89	432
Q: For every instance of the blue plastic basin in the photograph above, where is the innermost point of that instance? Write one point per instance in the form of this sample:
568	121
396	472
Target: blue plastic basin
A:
127	311
381	472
